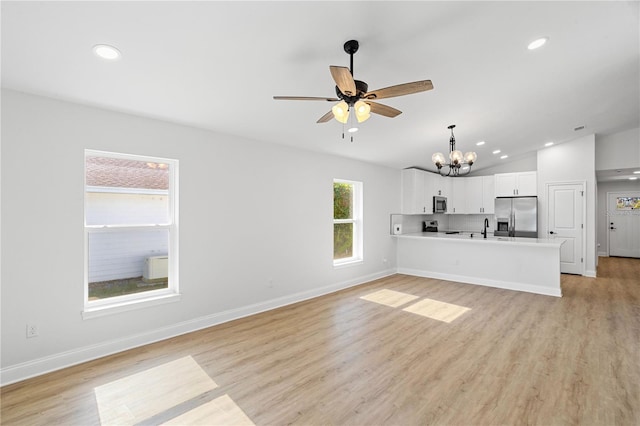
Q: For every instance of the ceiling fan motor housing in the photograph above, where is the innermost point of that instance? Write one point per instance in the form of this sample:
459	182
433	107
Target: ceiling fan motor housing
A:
361	89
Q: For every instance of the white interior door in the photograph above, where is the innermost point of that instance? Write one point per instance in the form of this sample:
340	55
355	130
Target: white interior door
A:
623	214
566	221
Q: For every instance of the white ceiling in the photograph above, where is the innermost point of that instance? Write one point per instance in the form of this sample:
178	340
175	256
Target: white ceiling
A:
217	65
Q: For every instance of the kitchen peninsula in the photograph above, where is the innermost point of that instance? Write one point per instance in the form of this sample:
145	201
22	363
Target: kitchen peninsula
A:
522	264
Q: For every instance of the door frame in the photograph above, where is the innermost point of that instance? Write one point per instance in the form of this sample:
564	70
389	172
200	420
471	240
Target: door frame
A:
583	183
606	211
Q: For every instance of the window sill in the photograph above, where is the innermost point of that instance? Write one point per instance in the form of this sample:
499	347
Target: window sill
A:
129	305
350	262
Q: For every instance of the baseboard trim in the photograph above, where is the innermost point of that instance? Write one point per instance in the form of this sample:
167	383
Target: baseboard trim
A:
590	274
484	282
603	254
19	372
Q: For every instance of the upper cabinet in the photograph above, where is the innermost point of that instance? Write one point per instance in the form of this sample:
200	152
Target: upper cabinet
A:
418	189
479	194
414	192
488	194
458	197
516	184
466	195
440	185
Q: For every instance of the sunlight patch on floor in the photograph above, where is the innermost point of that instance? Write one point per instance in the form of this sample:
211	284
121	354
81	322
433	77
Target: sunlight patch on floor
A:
437	310
220	411
140	396
389	298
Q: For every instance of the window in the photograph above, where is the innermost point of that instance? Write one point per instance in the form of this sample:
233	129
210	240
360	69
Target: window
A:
347	222
131	240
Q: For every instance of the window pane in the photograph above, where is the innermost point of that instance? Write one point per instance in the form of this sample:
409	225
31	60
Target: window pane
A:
342	200
127	261
627	203
107	208
122	173
126	192
342	240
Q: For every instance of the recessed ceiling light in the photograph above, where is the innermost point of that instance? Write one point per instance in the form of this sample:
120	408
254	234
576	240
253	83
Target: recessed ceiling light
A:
497	151
107	52
503	157
637	172
352	129
633	178
480	143
548	144
537	43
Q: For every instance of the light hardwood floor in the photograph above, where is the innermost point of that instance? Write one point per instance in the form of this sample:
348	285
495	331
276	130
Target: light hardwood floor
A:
422	351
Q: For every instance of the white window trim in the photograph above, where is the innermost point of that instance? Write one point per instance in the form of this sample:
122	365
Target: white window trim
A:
358	226
114	305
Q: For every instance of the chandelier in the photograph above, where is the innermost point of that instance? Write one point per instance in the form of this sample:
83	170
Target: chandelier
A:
459	165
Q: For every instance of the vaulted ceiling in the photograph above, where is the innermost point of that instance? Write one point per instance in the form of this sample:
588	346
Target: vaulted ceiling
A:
217	65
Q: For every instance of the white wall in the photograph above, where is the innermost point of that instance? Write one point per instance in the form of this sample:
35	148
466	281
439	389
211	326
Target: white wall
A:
603	217
618	151
525	163
572	161
250	212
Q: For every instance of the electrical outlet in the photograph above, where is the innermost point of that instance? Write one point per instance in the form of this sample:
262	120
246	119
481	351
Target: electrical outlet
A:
32	330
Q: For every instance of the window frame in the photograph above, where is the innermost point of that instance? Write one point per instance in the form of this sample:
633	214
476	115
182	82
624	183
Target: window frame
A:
356	219
101	307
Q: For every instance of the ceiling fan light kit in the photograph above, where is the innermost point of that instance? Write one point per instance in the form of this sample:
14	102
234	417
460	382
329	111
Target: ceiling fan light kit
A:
460	164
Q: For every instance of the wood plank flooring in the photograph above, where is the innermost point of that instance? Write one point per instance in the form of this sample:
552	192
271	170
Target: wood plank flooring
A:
421	352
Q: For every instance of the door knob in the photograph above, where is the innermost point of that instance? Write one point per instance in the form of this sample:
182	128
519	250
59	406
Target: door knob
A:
551	232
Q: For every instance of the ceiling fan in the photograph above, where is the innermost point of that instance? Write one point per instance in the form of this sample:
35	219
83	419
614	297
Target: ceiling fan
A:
354	94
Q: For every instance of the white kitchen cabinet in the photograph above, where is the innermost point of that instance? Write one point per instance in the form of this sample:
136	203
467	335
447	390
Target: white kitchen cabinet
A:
480	194
473	194
488	195
441	186
414	194
516	184
457	198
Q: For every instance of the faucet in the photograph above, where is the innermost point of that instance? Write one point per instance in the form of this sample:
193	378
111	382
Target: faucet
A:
486	225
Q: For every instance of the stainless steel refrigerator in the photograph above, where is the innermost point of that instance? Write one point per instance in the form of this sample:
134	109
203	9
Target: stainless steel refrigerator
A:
516	217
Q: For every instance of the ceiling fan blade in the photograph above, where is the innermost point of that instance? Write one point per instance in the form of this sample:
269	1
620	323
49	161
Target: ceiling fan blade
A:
400	90
327	117
344	80
385	110
304	98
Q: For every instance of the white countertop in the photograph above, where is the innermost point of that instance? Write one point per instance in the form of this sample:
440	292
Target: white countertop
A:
477	238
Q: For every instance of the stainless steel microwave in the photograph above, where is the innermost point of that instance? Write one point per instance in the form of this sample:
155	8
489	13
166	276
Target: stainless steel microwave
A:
439	204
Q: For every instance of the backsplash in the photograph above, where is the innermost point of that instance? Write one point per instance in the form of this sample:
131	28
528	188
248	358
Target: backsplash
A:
446	222
470	222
